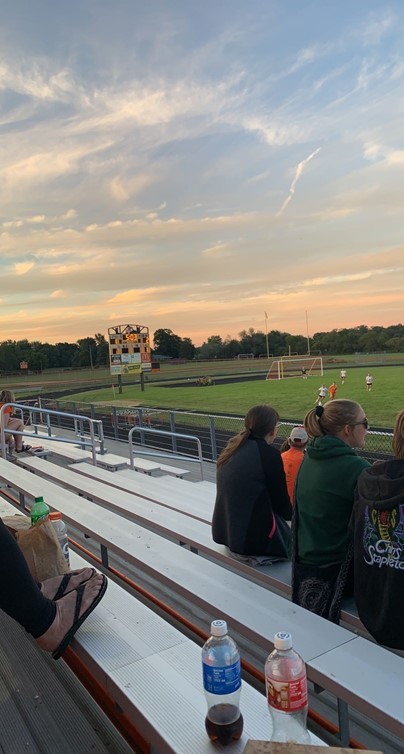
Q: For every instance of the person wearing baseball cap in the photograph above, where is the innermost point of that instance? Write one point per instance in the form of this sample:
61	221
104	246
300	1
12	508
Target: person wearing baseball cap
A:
293	456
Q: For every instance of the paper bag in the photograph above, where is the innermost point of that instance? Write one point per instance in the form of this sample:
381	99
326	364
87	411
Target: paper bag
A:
16	523
42	551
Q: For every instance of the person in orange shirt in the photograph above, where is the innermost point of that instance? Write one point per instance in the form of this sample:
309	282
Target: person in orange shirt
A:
332	390
293	455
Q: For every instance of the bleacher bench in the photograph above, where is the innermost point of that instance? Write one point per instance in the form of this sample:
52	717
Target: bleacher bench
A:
152	672
354	669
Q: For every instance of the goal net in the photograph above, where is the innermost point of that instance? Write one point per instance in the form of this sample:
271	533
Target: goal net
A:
295	367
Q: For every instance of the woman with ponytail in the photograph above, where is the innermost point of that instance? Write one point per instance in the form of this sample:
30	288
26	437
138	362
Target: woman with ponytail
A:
252	502
324	496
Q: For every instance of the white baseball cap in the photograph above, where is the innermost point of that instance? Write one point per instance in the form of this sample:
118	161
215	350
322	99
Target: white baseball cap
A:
299	435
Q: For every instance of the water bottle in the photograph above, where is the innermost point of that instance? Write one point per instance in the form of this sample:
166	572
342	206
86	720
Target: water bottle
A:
222	685
61	533
39	510
286	690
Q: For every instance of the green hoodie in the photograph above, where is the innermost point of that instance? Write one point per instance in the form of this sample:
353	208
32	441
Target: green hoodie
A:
325	493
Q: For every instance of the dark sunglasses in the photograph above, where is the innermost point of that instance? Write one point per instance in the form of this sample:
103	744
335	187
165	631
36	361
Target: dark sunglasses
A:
364	422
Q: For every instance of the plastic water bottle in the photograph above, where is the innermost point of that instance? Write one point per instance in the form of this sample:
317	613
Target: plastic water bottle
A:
39	510
222	685
61	533
286	690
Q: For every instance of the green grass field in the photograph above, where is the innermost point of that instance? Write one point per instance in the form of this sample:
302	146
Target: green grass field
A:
291	397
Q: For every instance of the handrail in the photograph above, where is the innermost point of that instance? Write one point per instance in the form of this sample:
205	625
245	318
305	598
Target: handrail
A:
163	455
91	443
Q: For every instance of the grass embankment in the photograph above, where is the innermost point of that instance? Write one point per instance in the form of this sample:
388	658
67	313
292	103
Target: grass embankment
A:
292	397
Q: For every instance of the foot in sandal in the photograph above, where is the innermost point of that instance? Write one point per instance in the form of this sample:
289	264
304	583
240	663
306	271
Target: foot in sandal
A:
58	586
71	611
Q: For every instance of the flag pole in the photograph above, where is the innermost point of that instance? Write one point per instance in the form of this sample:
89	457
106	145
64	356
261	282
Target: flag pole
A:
266	333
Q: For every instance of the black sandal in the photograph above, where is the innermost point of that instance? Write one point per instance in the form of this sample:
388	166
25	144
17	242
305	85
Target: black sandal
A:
78	621
61	591
24	449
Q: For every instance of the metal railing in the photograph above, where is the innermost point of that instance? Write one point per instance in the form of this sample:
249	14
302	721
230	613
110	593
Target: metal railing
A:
94	439
213	430
175	436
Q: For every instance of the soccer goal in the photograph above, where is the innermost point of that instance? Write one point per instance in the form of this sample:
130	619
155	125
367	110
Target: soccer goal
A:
285	367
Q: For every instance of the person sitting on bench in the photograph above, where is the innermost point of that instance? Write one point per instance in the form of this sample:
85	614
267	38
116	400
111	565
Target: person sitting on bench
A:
252	502
12	422
52	611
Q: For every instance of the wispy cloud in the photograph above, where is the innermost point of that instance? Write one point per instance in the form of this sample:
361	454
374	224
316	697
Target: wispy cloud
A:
298	174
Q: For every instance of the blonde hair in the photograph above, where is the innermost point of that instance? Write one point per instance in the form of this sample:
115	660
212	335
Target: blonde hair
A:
259	421
398	435
331	418
6	396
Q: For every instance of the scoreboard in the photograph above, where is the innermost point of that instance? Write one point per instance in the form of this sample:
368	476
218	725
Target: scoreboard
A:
129	349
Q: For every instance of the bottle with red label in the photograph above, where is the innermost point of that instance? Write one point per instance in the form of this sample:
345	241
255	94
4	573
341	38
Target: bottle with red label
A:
286	690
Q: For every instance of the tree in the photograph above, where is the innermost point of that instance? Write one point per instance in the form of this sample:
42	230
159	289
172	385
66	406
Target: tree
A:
102	350
187	349
167	343
252	341
212	348
231	347
85	356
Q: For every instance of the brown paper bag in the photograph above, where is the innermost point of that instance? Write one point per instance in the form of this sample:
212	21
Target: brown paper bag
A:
16	523
42	551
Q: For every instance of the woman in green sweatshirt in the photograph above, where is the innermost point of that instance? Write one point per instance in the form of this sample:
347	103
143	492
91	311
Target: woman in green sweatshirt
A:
324	499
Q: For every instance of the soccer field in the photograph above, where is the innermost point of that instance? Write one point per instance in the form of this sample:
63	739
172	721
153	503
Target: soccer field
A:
291	397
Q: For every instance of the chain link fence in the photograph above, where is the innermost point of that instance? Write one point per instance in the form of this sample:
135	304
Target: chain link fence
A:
214	431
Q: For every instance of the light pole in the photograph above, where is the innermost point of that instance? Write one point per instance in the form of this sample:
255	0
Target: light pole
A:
266	333
307	331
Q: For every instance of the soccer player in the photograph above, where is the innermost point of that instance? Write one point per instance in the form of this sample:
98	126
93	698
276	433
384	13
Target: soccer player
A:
369	382
321	394
332	390
343	375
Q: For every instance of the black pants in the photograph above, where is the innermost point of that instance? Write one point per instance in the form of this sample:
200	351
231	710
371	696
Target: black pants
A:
20	595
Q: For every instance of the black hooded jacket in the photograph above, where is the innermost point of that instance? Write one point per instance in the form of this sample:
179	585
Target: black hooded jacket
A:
377	526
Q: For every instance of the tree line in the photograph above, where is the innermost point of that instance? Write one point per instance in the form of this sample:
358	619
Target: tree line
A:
86	352
361	339
94	351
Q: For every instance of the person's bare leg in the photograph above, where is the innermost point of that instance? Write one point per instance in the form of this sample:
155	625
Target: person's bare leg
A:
18	425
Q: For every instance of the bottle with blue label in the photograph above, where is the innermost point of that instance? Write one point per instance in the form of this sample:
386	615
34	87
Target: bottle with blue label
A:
222	684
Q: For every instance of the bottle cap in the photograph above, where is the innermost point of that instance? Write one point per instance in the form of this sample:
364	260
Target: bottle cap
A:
218	628
39	499
283	640
55	516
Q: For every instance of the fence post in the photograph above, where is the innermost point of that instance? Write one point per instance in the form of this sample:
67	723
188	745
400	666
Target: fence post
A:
213	437
172	429
115	422
141	424
59	418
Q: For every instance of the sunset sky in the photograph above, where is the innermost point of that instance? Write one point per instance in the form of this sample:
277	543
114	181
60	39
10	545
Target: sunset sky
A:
191	165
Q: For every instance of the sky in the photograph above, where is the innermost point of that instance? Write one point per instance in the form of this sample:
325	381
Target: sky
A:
191	166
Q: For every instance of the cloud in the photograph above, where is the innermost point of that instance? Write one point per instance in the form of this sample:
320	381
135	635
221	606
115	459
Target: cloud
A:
21	268
377	26
219	250
298	174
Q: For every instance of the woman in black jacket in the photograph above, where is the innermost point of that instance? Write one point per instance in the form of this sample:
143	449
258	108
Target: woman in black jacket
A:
377	528
252	501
